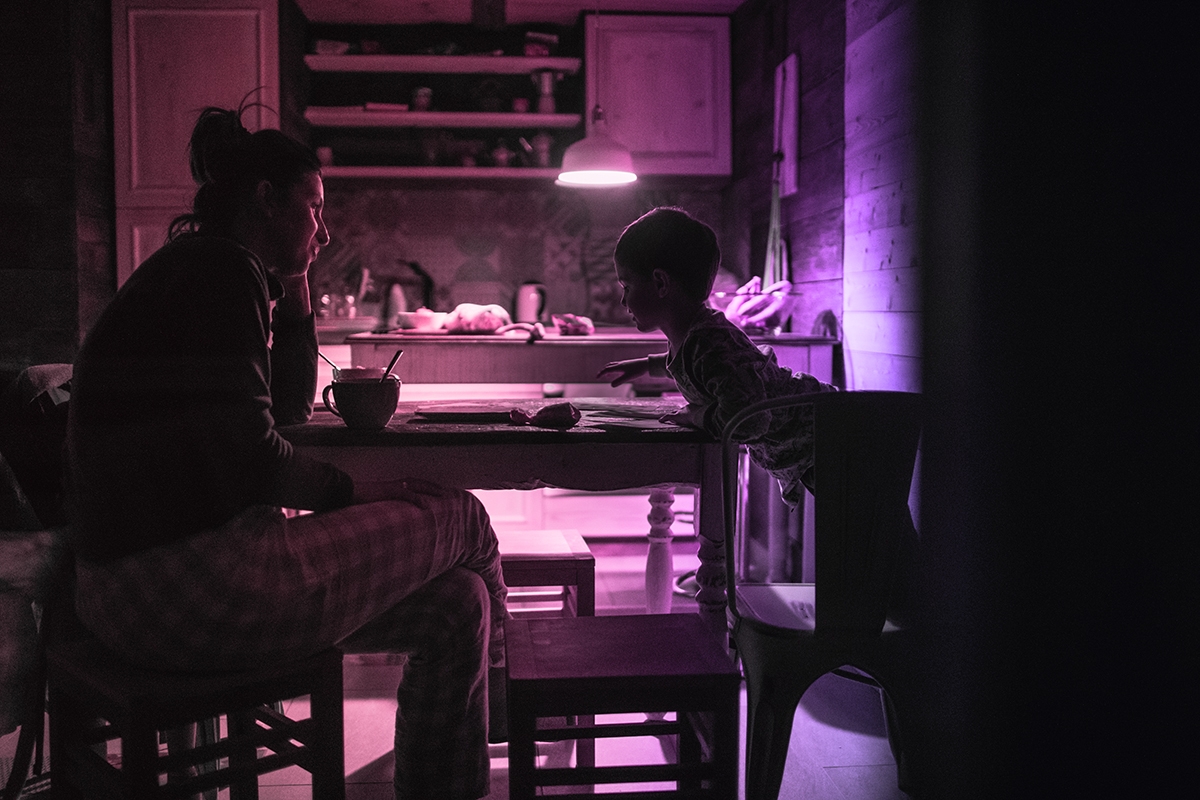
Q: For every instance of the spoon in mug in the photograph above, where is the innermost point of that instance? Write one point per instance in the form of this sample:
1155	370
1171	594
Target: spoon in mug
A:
336	368
391	364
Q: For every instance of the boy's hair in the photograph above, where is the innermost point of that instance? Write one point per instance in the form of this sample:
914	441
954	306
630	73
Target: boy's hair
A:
674	241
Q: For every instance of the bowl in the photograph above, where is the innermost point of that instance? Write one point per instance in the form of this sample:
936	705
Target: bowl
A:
762	313
422	319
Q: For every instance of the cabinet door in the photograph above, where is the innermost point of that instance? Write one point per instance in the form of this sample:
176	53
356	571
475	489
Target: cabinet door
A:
171	58
663	83
140	231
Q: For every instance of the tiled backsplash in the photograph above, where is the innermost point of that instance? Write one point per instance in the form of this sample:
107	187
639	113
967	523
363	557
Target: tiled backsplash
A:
479	244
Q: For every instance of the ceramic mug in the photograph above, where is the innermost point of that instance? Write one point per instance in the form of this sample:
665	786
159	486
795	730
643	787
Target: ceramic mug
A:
361	399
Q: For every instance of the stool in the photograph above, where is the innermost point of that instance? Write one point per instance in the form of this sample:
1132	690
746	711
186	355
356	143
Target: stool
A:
96	699
538	561
549	558
584	666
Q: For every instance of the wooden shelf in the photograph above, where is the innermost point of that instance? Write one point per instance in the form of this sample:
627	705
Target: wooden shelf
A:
441	173
494	65
358	117
364	116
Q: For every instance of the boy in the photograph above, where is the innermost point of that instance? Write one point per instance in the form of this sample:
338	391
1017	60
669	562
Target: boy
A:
666	262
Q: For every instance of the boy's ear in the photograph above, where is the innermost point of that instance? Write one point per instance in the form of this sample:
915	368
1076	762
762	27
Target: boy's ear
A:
662	282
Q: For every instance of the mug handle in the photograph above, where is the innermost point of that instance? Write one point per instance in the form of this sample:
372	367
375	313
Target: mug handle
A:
541	293
329	403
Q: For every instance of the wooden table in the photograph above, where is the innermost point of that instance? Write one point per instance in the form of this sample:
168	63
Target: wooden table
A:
618	444
442	358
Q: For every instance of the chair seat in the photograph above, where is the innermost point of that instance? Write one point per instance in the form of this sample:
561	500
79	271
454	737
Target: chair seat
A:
664	663
792	606
549	558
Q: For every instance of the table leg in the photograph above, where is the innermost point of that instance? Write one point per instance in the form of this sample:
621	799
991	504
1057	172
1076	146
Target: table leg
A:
710	525
659	566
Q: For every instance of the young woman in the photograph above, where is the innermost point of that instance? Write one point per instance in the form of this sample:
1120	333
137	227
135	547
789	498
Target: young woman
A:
185	560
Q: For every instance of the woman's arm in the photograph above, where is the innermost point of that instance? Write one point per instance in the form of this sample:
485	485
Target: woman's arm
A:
293	354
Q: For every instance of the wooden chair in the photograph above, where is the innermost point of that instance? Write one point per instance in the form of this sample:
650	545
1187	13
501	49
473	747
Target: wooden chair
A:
107	718
96	699
789	635
585	666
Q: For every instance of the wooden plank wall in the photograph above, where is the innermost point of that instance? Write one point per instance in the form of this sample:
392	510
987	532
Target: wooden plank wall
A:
765	32
56	238
881	304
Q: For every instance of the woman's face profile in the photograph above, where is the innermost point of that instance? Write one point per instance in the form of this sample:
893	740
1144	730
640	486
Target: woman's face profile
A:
297	227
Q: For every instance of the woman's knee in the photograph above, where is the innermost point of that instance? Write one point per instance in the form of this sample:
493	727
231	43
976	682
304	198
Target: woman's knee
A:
460	603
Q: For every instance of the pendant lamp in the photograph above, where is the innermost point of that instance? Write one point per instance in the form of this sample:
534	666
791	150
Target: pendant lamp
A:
596	160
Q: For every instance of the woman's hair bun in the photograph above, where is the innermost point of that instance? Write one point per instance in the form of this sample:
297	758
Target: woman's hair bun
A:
218	145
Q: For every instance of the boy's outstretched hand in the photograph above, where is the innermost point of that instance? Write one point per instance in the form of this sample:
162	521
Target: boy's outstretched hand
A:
625	371
690	416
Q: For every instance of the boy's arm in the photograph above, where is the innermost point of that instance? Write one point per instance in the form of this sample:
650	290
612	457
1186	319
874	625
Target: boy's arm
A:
690	416
625	371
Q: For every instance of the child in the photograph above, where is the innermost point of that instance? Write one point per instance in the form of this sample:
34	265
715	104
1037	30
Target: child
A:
666	262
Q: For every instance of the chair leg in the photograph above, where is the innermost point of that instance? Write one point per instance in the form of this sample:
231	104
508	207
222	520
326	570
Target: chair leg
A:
139	750
522	755
770	714
329	764
242	754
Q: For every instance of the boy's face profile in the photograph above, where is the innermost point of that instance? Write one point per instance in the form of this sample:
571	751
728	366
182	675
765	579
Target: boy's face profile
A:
642	298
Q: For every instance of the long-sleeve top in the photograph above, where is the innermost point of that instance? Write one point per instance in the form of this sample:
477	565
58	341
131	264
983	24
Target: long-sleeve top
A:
720	371
175	396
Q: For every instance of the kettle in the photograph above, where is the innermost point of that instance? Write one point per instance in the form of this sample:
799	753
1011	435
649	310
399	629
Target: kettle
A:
530	305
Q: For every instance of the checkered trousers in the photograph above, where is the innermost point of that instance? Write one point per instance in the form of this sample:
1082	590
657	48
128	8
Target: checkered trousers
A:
379	577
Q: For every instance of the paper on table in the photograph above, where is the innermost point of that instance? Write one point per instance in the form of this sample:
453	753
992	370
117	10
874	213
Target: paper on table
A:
465	412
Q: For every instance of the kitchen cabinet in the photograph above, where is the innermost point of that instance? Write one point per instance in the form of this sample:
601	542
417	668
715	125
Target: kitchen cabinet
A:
172	58
440	153
663	83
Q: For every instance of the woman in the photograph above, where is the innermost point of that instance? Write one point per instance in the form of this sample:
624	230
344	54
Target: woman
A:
184	559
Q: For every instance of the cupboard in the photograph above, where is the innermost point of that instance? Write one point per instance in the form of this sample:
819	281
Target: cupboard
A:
663	83
171	58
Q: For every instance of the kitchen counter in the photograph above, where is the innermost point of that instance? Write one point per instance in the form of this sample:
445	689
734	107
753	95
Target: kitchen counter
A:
489	358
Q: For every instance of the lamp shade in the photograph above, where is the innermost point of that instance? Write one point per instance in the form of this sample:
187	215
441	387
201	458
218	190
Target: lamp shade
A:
596	160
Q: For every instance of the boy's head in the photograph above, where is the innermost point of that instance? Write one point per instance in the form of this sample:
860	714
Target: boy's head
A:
674	241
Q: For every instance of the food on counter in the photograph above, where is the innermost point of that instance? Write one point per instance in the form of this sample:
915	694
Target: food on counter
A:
755	308
557	415
574	325
533	330
475	318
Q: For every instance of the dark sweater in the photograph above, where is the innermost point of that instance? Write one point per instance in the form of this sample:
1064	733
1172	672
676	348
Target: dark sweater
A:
175	397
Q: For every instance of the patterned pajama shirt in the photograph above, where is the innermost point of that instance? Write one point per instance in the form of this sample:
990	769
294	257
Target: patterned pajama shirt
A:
720	371
380	577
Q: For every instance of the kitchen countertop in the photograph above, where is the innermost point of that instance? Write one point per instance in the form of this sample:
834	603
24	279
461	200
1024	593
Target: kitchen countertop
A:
490	358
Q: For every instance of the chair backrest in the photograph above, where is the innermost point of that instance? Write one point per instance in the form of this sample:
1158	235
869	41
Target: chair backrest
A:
865	446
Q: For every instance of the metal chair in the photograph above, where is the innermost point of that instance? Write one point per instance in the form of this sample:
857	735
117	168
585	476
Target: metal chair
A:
789	635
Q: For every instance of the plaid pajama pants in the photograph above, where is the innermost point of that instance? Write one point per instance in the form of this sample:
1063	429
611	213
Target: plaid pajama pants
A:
378	577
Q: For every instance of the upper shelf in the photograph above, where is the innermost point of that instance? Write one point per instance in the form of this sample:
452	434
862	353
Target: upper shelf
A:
495	65
361	117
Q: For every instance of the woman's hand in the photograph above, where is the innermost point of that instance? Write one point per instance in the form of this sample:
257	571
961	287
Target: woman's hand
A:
295	302
625	371
410	490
